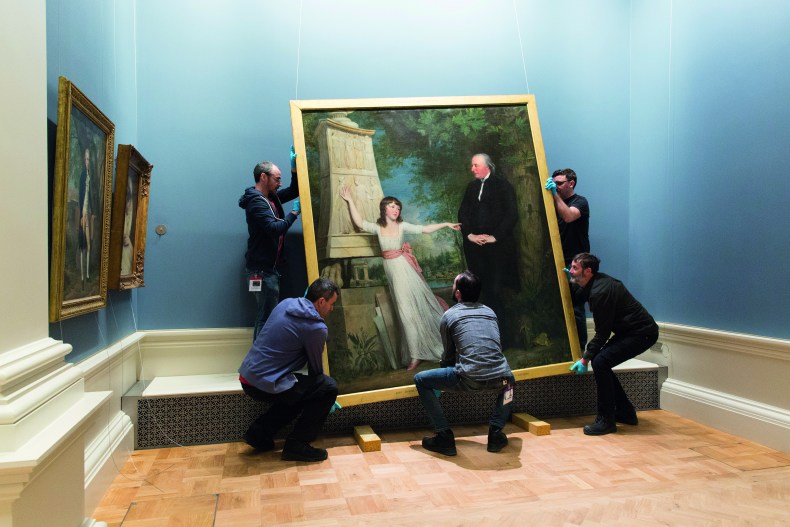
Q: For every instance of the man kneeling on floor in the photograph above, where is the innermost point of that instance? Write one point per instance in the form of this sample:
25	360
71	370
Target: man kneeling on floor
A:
472	361
284	367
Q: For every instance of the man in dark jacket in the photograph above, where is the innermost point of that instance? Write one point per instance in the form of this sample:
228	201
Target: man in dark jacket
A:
267	224
488	214
285	368
623	330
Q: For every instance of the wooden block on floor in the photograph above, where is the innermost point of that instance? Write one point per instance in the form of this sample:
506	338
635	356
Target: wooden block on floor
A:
367	440
532	424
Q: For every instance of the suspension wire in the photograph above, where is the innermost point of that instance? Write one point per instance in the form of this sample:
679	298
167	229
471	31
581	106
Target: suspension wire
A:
298	49
521	46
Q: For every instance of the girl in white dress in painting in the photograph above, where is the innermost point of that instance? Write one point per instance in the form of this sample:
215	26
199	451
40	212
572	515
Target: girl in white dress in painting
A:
419	310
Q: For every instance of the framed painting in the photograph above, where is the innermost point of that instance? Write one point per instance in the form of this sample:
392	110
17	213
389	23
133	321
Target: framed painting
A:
81	205
129	219
420	151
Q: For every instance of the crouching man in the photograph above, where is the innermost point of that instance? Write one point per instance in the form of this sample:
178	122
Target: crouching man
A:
623	330
472	361
284	367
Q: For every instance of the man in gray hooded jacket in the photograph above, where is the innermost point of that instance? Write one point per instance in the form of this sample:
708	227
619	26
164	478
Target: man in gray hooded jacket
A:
267	224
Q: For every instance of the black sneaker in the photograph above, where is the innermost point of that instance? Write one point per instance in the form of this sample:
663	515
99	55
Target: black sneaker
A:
497	440
443	442
601	426
299	451
627	418
260	445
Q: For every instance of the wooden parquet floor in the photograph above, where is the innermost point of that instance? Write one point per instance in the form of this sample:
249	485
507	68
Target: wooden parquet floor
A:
666	471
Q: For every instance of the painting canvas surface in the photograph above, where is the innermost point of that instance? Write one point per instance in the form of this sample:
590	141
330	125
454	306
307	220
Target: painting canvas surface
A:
421	155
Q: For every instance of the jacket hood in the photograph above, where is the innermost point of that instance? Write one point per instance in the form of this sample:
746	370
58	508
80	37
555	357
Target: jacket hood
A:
249	195
303	308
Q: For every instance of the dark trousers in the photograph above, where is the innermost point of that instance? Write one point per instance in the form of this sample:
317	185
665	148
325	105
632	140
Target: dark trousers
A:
611	396
581	324
310	399
488	262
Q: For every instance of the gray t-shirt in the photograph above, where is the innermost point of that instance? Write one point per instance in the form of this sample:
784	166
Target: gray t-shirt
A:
470	335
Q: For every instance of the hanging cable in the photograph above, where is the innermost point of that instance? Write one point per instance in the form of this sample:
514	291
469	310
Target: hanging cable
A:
298	50
521	46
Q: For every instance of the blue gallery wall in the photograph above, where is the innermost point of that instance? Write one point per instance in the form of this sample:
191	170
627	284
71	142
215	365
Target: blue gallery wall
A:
91	43
710	132
215	81
674	117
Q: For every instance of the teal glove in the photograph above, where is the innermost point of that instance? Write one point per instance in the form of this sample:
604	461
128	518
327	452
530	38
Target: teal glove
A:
579	367
297	206
437	393
567	273
335	406
552	186
293	158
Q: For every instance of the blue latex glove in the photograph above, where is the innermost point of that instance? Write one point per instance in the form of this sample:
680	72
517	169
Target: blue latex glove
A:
297	208
293	158
579	367
437	393
335	406
552	186
567	273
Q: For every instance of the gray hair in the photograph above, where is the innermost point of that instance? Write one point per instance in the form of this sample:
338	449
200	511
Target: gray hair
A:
487	159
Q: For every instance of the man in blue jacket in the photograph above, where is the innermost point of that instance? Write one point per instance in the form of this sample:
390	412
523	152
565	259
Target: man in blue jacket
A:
267	224
284	367
623	330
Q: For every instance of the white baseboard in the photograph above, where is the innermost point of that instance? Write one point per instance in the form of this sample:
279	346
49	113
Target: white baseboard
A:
734	382
765	424
105	456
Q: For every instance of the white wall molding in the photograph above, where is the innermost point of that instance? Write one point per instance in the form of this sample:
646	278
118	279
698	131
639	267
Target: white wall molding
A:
737	342
167	353
730	381
747	418
110	439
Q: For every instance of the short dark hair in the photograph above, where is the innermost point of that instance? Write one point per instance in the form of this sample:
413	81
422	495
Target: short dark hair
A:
469	284
264	167
588	261
383	210
322	288
487	159
567	172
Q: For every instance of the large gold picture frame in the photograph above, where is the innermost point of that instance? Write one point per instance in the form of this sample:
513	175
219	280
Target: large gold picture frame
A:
419	150
129	219
81	205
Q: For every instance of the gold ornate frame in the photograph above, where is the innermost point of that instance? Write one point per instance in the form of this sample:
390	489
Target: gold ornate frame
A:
129	219
530	178
80	219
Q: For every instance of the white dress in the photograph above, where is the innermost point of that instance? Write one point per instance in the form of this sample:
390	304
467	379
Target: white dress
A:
418	310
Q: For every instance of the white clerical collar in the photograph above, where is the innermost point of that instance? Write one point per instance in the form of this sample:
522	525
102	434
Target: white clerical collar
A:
482	182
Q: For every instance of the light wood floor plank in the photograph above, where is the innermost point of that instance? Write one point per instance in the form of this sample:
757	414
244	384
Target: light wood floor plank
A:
666	471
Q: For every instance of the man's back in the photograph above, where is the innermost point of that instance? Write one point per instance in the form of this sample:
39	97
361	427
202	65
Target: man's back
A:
470	334
289	340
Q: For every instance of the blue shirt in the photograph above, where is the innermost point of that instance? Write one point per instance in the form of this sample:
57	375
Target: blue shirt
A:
293	337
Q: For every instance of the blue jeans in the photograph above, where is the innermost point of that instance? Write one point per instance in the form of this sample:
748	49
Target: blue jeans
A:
266	299
446	380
